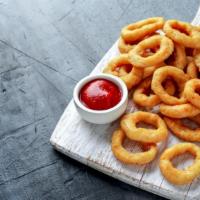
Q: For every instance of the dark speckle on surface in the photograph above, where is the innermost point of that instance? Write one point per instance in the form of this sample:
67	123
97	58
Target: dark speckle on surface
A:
45	48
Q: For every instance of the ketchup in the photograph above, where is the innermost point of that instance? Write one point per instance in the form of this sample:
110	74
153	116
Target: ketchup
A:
100	94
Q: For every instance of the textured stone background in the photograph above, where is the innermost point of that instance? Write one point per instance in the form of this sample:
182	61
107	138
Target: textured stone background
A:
46	46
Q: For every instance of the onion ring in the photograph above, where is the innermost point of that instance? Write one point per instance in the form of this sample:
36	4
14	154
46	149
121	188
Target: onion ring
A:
182	33
141	98
190	92
182	131
139	30
128	157
132	78
162	74
175	175
179	111
178	57
165	45
129	121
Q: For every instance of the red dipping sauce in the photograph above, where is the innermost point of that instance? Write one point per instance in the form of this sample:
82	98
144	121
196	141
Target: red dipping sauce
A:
100	94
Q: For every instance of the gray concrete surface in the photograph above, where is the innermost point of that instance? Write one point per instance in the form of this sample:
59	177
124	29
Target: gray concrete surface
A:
46	46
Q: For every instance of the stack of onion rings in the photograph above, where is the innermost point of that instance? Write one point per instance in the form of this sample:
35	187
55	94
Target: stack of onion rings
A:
160	64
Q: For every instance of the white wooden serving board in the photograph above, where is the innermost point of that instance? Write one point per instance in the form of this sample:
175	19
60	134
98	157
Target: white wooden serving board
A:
90	144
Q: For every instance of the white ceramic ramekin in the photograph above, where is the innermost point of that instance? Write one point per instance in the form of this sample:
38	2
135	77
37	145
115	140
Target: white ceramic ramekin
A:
101	116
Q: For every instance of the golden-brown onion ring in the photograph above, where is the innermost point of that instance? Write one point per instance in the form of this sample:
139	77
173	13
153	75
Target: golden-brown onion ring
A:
139	30
182	131
141	98
165	45
179	111
129	126
162	74
182	33
132	78
177	176
128	157
190	92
